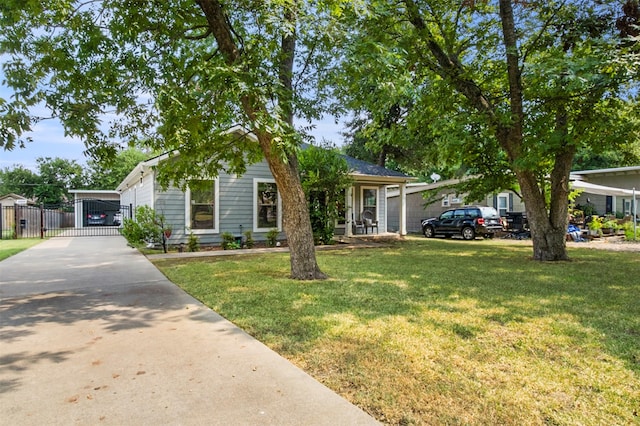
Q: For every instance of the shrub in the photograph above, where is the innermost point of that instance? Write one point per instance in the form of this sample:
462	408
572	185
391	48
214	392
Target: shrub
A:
193	243
272	237
146	227
132	232
628	232
229	241
248	239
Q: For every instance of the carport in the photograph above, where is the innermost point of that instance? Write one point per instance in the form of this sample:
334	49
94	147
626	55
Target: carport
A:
89	201
592	188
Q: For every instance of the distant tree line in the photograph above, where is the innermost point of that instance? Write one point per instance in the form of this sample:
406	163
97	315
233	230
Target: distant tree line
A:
50	183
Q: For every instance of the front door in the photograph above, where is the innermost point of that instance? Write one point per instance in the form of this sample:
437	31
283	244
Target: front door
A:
369	201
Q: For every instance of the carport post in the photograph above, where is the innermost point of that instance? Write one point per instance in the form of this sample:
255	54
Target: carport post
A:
635	213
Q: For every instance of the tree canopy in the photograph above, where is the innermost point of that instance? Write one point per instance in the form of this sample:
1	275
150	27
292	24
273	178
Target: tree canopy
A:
50	185
507	91
109	173
18	180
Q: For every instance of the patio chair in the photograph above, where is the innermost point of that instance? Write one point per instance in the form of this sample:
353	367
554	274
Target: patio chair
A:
369	221
358	224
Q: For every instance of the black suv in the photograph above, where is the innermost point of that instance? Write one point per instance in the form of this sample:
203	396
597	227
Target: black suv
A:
464	221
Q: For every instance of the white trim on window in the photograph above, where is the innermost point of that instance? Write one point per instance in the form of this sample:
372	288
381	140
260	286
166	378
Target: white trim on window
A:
216	210
445	200
502	211
256	182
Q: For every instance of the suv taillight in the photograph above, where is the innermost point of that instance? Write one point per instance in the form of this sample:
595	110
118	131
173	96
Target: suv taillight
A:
480	221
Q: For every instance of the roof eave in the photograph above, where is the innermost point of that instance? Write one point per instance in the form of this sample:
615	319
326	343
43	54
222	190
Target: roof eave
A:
387	180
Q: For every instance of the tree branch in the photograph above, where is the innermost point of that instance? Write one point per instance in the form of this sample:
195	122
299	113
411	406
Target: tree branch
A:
220	28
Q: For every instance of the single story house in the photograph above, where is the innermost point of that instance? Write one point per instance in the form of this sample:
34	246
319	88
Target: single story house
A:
8	216
11	199
609	191
504	201
251	202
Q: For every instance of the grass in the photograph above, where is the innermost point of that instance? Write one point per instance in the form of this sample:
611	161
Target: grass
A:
11	247
445	331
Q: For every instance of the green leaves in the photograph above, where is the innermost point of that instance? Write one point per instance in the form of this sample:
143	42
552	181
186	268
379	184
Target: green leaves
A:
325	177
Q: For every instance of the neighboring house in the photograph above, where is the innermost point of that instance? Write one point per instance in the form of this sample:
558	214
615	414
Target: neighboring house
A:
250	202
505	202
18	215
10	200
609	191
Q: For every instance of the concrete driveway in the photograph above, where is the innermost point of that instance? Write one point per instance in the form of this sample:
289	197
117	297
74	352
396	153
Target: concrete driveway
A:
92	333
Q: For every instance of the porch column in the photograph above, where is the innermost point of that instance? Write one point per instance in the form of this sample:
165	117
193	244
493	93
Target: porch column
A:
403	209
349	211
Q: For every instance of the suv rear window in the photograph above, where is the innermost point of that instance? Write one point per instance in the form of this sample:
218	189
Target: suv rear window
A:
489	212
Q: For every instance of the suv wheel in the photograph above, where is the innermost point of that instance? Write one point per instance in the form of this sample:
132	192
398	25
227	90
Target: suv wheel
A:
428	231
468	233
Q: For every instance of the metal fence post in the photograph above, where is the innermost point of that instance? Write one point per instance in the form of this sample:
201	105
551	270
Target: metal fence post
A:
42	221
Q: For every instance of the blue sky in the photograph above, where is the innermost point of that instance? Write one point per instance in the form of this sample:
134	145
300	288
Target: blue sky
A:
49	141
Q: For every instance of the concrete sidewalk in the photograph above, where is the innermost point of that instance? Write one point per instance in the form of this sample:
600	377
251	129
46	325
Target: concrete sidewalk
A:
92	333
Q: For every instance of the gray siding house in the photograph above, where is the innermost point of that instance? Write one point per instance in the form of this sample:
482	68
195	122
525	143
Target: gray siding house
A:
505	202
251	202
609	191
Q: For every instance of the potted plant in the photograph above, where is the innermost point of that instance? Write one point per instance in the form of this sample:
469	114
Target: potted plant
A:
609	226
595	226
167	231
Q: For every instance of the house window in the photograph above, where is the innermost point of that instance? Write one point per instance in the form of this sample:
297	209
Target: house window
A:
267	212
445	201
202	202
370	201
502	204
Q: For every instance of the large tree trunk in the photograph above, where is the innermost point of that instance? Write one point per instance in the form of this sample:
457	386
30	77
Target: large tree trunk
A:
547	232
548	226
296	220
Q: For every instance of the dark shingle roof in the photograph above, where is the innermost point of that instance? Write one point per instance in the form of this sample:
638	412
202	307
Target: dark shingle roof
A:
365	168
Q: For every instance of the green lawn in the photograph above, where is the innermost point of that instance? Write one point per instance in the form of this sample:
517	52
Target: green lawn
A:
11	247
445	331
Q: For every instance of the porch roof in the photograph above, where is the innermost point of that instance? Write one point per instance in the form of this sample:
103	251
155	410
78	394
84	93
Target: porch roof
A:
363	171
